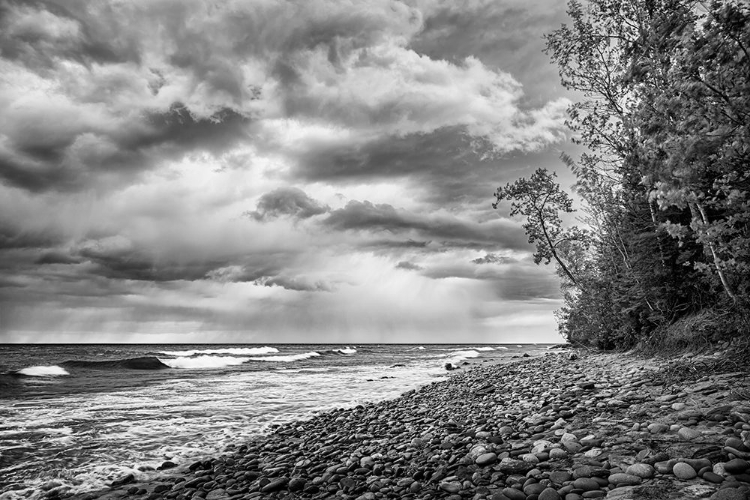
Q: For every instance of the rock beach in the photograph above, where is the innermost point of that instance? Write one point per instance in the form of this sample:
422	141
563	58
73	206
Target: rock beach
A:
555	427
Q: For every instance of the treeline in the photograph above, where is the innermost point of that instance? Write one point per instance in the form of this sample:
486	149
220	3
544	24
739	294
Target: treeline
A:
665	179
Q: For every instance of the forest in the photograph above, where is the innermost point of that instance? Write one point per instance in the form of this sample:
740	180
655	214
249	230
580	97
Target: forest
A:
661	249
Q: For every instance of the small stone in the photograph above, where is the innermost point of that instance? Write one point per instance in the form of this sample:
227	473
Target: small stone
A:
658	428
644	471
683	471
712	477
688	434
664	467
486	459
275	485
534	489
217	494
297	484
559	477
621	479
514	494
729	494
586	484
549	494
736	466
557	454
451	486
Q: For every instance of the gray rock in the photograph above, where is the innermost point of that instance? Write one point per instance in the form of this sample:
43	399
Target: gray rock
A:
729	494
217	494
736	466
586	484
549	494
683	471
621	479
644	471
514	494
486	459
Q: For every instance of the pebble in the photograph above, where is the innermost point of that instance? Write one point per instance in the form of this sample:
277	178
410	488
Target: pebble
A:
644	471
683	471
621	479
546	428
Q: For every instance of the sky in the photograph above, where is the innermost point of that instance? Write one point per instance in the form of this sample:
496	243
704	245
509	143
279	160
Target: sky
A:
271	171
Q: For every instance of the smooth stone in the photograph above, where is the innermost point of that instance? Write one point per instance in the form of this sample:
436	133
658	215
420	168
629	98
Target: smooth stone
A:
658	428
557	453
688	434
559	477
486	459
683	471
664	467
514	494
712	477
622	479
586	484
729	494
534	489
451	487
736	466
218	494
644	471
549	494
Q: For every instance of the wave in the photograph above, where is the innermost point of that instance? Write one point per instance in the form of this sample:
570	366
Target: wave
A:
345	350
458	356
203	362
289	358
143	363
482	348
239	351
41	371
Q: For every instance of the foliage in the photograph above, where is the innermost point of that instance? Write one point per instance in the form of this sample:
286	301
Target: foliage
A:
665	115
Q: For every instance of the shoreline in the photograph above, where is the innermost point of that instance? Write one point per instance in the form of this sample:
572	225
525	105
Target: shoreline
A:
558	426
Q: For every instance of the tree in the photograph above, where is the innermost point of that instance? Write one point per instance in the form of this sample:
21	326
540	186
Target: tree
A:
540	200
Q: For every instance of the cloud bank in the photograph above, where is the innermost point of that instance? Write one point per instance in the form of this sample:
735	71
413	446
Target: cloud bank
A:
299	171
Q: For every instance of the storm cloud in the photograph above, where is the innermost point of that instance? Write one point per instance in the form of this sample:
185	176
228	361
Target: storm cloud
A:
288	170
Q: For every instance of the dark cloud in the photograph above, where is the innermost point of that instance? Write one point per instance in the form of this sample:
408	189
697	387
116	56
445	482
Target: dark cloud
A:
40	161
287	201
57	257
450	166
445	229
507	35
296	284
492	258
408	266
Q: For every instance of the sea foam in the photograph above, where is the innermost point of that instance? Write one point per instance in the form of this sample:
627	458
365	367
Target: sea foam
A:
43	371
204	362
239	351
290	358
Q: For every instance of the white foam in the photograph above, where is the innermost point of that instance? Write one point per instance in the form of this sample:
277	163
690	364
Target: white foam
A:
289	358
43	371
239	351
483	348
204	362
458	356
347	350
501	348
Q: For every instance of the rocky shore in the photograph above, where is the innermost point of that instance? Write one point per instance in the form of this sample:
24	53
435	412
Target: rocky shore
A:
561	426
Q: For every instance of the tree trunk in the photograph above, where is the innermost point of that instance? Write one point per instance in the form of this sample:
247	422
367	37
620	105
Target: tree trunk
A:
717	260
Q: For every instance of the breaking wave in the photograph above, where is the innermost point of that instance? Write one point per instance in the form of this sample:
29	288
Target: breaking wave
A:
238	351
42	371
204	362
289	358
